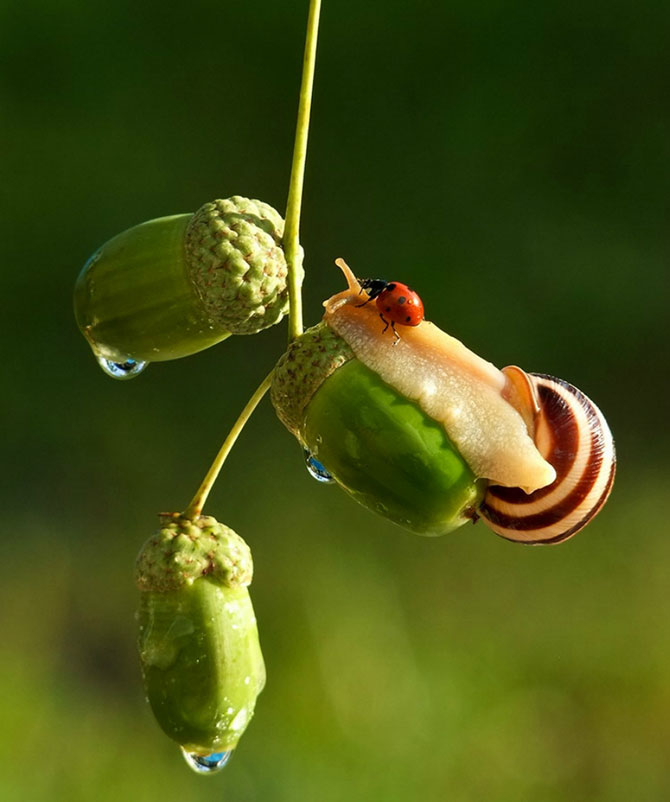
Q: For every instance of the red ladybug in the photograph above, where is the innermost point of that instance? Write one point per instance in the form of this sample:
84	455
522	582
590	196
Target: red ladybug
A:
397	301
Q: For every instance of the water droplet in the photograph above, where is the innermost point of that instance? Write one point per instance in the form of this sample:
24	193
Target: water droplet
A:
316	469
206	764
121	370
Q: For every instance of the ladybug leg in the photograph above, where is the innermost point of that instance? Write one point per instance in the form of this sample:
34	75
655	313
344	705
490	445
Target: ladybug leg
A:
371	296
392	325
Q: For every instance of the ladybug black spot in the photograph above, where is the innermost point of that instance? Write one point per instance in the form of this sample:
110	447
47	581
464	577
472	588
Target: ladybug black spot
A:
388	308
408	318
402	299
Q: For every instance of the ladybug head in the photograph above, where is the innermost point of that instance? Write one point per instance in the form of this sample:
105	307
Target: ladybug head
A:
374	286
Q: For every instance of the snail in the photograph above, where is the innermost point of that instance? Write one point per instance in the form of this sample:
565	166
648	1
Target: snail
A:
430	435
572	434
172	286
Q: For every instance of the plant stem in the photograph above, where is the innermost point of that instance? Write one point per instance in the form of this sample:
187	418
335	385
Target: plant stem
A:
194	509
294	203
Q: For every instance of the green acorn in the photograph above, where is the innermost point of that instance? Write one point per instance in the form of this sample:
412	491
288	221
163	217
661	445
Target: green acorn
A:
176	285
378	445
201	660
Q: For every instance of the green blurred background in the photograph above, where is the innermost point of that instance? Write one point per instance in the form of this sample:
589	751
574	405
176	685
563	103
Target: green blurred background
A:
508	159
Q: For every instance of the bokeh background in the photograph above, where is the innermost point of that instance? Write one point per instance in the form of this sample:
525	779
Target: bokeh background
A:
511	161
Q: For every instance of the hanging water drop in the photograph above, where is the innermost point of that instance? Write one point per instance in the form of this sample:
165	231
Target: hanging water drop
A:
206	764
127	369
316	469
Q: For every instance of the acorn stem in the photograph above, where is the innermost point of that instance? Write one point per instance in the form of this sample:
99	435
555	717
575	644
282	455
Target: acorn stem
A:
194	509
294	203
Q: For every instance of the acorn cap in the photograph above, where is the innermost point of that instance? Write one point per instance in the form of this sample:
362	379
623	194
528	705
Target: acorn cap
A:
306	364
183	550
236	263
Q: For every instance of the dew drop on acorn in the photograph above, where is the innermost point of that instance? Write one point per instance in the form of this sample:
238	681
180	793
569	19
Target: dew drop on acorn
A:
127	369
207	764
316	469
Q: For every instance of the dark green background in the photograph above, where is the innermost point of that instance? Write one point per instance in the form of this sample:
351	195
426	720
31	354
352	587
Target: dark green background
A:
511	161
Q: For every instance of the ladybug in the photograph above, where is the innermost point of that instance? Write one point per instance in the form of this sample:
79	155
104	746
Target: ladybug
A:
397	301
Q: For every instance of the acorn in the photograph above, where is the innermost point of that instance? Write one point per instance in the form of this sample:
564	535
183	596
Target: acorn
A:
376	443
173	286
201	661
421	430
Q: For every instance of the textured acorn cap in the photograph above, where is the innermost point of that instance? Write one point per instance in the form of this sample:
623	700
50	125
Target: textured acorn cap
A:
183	550
236	263
307	363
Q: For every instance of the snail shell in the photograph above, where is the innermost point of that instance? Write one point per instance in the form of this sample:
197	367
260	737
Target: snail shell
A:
573	436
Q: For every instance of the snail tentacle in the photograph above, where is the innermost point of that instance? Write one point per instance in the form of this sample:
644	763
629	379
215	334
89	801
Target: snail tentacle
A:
572	434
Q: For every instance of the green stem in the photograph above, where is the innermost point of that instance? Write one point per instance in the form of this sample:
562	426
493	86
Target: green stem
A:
294	203
194	509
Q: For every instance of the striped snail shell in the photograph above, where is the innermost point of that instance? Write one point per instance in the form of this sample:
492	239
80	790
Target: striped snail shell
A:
572	435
